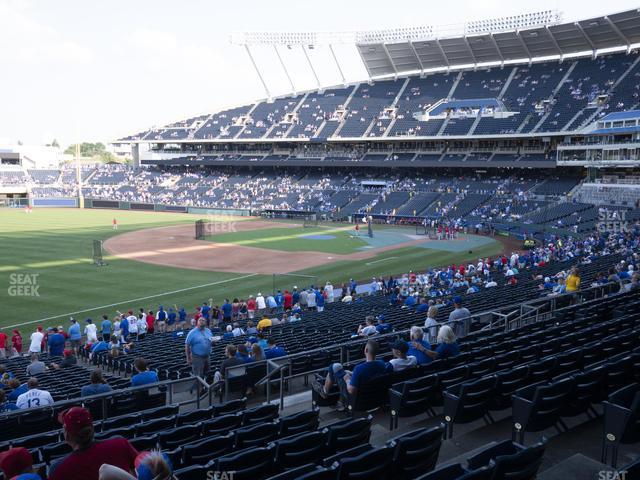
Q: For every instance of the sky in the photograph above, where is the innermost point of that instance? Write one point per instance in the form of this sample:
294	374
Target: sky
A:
78	70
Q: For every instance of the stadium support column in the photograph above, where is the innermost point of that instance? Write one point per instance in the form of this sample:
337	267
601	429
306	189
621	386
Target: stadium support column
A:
135	154
286	72
79	177
255	65
313	70
335	59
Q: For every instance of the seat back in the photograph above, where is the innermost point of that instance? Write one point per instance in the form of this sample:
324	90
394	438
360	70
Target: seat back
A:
260	414
349	433
300	450
203	451
249	464
220	425
371	464
299	422
255	435
416	452
522	465
232	406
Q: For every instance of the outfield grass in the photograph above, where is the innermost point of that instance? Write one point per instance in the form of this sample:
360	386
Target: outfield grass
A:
293	239
55	245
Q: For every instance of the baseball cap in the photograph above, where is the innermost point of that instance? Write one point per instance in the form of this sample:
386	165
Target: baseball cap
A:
400	346
75	419
15	461
457	299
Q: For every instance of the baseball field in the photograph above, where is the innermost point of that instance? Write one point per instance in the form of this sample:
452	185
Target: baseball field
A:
47	273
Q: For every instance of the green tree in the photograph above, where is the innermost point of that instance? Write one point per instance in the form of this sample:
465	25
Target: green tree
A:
87	149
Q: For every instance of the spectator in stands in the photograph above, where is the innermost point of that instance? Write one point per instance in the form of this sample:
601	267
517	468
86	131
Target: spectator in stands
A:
251	329
368	328
417	345
400	360
34	397
88	455
264	323
3	344
16	341
237	331
383	327
144	375
172	317
572	281
142	326
458	318
17	464
160	321
16	389
232	360
36	341
228	334
105	328
6	405
153	465
349	382
257	353
91	331
36	366
98	384
198	349
430	323
260	303
56	343
75	336
251	307
69	359
273	350
98	347
447	346
227	310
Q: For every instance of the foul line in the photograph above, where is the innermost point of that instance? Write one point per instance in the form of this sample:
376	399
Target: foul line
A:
381	260
134	300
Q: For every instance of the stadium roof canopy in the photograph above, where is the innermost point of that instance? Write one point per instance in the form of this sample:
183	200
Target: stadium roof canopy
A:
496	45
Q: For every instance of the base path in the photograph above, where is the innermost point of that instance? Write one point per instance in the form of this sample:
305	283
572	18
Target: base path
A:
176	247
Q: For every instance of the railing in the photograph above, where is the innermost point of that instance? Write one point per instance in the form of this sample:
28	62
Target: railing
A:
166	386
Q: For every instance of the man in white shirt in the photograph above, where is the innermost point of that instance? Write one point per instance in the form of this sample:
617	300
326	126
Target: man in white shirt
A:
260	303
36	341
91	331
34	397
141	324
132	320
237	331
329	289
400	360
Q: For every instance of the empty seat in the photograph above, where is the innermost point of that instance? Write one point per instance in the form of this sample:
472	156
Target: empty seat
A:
260	414
375	463
412	397
175	437
249	464
457	472
149	442
194	472
300	450
538	407
299	422
220	425
511	460
154	426
468	401
508	382
255	435
194	416
232	406
416	452
621	421
203	451
348	433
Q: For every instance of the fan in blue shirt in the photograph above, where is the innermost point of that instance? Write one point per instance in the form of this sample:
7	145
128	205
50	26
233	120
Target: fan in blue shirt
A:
274	351
56	343
144	376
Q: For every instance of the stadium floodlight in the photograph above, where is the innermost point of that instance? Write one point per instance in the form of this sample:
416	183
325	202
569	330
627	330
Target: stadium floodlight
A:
515	22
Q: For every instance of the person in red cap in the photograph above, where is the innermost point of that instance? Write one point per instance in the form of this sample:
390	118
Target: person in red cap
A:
17	464
88	455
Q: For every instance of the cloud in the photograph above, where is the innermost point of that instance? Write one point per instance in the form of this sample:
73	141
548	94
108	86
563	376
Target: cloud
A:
25	40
